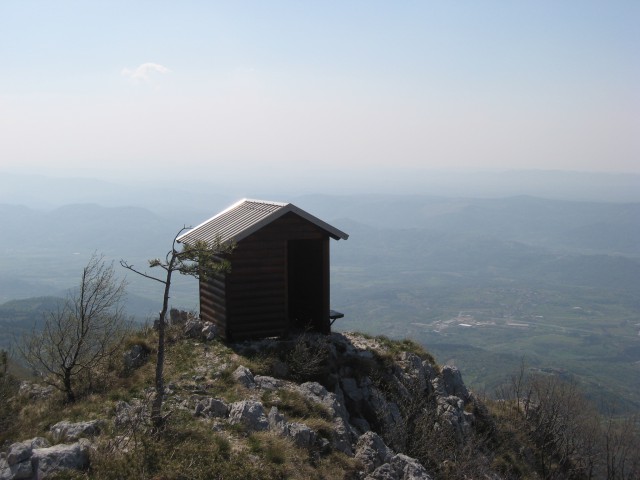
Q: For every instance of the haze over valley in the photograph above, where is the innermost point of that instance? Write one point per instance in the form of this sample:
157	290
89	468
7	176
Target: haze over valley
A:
483	282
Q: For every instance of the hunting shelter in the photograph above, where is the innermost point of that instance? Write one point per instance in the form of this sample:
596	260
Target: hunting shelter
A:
279	278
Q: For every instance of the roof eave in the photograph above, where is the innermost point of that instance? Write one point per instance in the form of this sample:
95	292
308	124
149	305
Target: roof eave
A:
333	232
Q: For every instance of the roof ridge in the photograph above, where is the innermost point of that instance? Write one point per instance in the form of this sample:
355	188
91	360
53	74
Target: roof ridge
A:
247	216
266	202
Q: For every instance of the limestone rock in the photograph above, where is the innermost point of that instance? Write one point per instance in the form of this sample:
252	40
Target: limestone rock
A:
268	383
22	470
385	412
35	391
250	414
209	331
193	328
344	434
401	467
46	461
372	451
244	377
67	431
412	366
276	420
453	383
315	392
301	434
19	452
36	459
212	407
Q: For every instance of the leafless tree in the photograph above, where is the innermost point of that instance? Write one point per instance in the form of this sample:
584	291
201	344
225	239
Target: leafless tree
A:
621	448
197	260
83	333
8	388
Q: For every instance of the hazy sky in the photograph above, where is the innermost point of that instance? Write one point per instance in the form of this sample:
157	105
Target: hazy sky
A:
201	86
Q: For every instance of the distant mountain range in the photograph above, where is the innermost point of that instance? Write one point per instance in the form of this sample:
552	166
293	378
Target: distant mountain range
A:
557	281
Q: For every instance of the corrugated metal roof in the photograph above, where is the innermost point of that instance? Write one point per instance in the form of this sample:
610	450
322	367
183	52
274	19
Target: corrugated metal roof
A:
246	217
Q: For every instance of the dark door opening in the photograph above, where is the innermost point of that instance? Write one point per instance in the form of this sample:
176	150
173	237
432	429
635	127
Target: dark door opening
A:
305	284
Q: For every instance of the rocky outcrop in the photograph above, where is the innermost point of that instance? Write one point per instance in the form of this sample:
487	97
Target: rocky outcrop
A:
299	433
401	467
193	328
212	407
244	377
343	433
191	324
35	391
250	414
372	451
370	396
381	463
361	399
35	459
209	331
46	461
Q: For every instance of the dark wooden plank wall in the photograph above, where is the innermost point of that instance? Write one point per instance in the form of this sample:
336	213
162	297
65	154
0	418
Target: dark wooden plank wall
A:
256	289
213	305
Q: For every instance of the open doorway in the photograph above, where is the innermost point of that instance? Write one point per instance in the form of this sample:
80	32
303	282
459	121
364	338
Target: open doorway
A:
305	285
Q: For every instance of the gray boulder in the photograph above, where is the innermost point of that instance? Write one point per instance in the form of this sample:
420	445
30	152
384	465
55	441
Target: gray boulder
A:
388	416
450	410
209	331
401	467
35	391
22	470
46	461
250	414
453	383
244	377
315	392
212	407
67	431
268	383
276	420
193	328
414	371
343	433
34	459
21	451
299	433
372	451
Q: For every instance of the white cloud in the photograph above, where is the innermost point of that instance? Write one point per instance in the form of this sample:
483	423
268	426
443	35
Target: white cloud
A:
144	71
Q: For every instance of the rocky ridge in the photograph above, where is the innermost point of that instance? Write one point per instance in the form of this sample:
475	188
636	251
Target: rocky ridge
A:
367	398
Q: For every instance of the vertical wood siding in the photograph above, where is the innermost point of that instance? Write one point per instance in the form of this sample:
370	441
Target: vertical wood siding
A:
251	301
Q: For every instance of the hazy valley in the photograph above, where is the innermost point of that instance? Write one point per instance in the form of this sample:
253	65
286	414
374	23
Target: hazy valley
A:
480	282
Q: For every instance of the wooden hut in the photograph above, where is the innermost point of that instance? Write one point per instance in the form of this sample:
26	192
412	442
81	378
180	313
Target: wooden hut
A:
279	279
